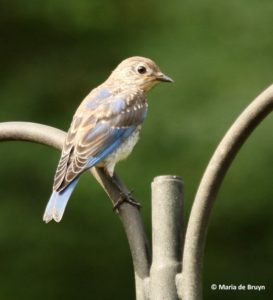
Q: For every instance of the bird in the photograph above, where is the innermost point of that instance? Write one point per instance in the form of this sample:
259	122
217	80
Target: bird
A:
104	128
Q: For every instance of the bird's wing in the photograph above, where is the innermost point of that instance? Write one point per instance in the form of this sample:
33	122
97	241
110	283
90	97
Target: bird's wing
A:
97	129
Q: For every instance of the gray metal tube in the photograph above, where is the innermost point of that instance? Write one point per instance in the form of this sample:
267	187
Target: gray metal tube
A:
167	220
190	283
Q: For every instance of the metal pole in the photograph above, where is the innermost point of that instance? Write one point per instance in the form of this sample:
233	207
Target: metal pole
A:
135	232
167	220
190	283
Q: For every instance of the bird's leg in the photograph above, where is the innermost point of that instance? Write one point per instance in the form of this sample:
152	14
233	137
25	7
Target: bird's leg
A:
124	196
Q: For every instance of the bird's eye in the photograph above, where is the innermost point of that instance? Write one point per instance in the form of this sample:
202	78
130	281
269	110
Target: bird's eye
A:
141	69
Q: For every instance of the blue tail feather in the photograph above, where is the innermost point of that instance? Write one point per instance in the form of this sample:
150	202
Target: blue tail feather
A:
57	203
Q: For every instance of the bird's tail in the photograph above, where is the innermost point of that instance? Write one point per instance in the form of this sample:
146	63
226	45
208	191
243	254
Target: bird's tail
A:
57	203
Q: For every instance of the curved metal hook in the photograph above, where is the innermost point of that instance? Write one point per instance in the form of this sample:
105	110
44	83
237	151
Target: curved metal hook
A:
129	215
190	286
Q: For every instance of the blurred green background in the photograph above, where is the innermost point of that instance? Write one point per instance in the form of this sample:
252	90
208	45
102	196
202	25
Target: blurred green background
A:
220	54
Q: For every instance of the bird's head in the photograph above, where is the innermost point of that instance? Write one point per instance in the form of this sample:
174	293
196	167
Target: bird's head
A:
138	72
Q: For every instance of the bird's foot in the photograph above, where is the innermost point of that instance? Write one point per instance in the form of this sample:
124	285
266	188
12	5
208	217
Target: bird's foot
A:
126	198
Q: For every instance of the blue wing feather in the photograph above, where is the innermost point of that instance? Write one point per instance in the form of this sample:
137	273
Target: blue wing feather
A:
115	139
101	124
93	101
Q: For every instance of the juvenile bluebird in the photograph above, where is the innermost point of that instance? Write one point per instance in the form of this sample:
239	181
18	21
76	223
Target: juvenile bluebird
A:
105	127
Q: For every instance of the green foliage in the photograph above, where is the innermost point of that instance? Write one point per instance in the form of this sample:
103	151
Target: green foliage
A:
52	53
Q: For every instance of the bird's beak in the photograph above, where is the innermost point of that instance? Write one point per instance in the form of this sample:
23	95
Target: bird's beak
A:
162	77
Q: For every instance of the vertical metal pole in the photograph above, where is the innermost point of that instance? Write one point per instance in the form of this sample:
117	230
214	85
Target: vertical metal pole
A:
167	218
134	229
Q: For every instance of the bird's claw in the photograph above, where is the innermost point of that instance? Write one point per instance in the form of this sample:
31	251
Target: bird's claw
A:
126	198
